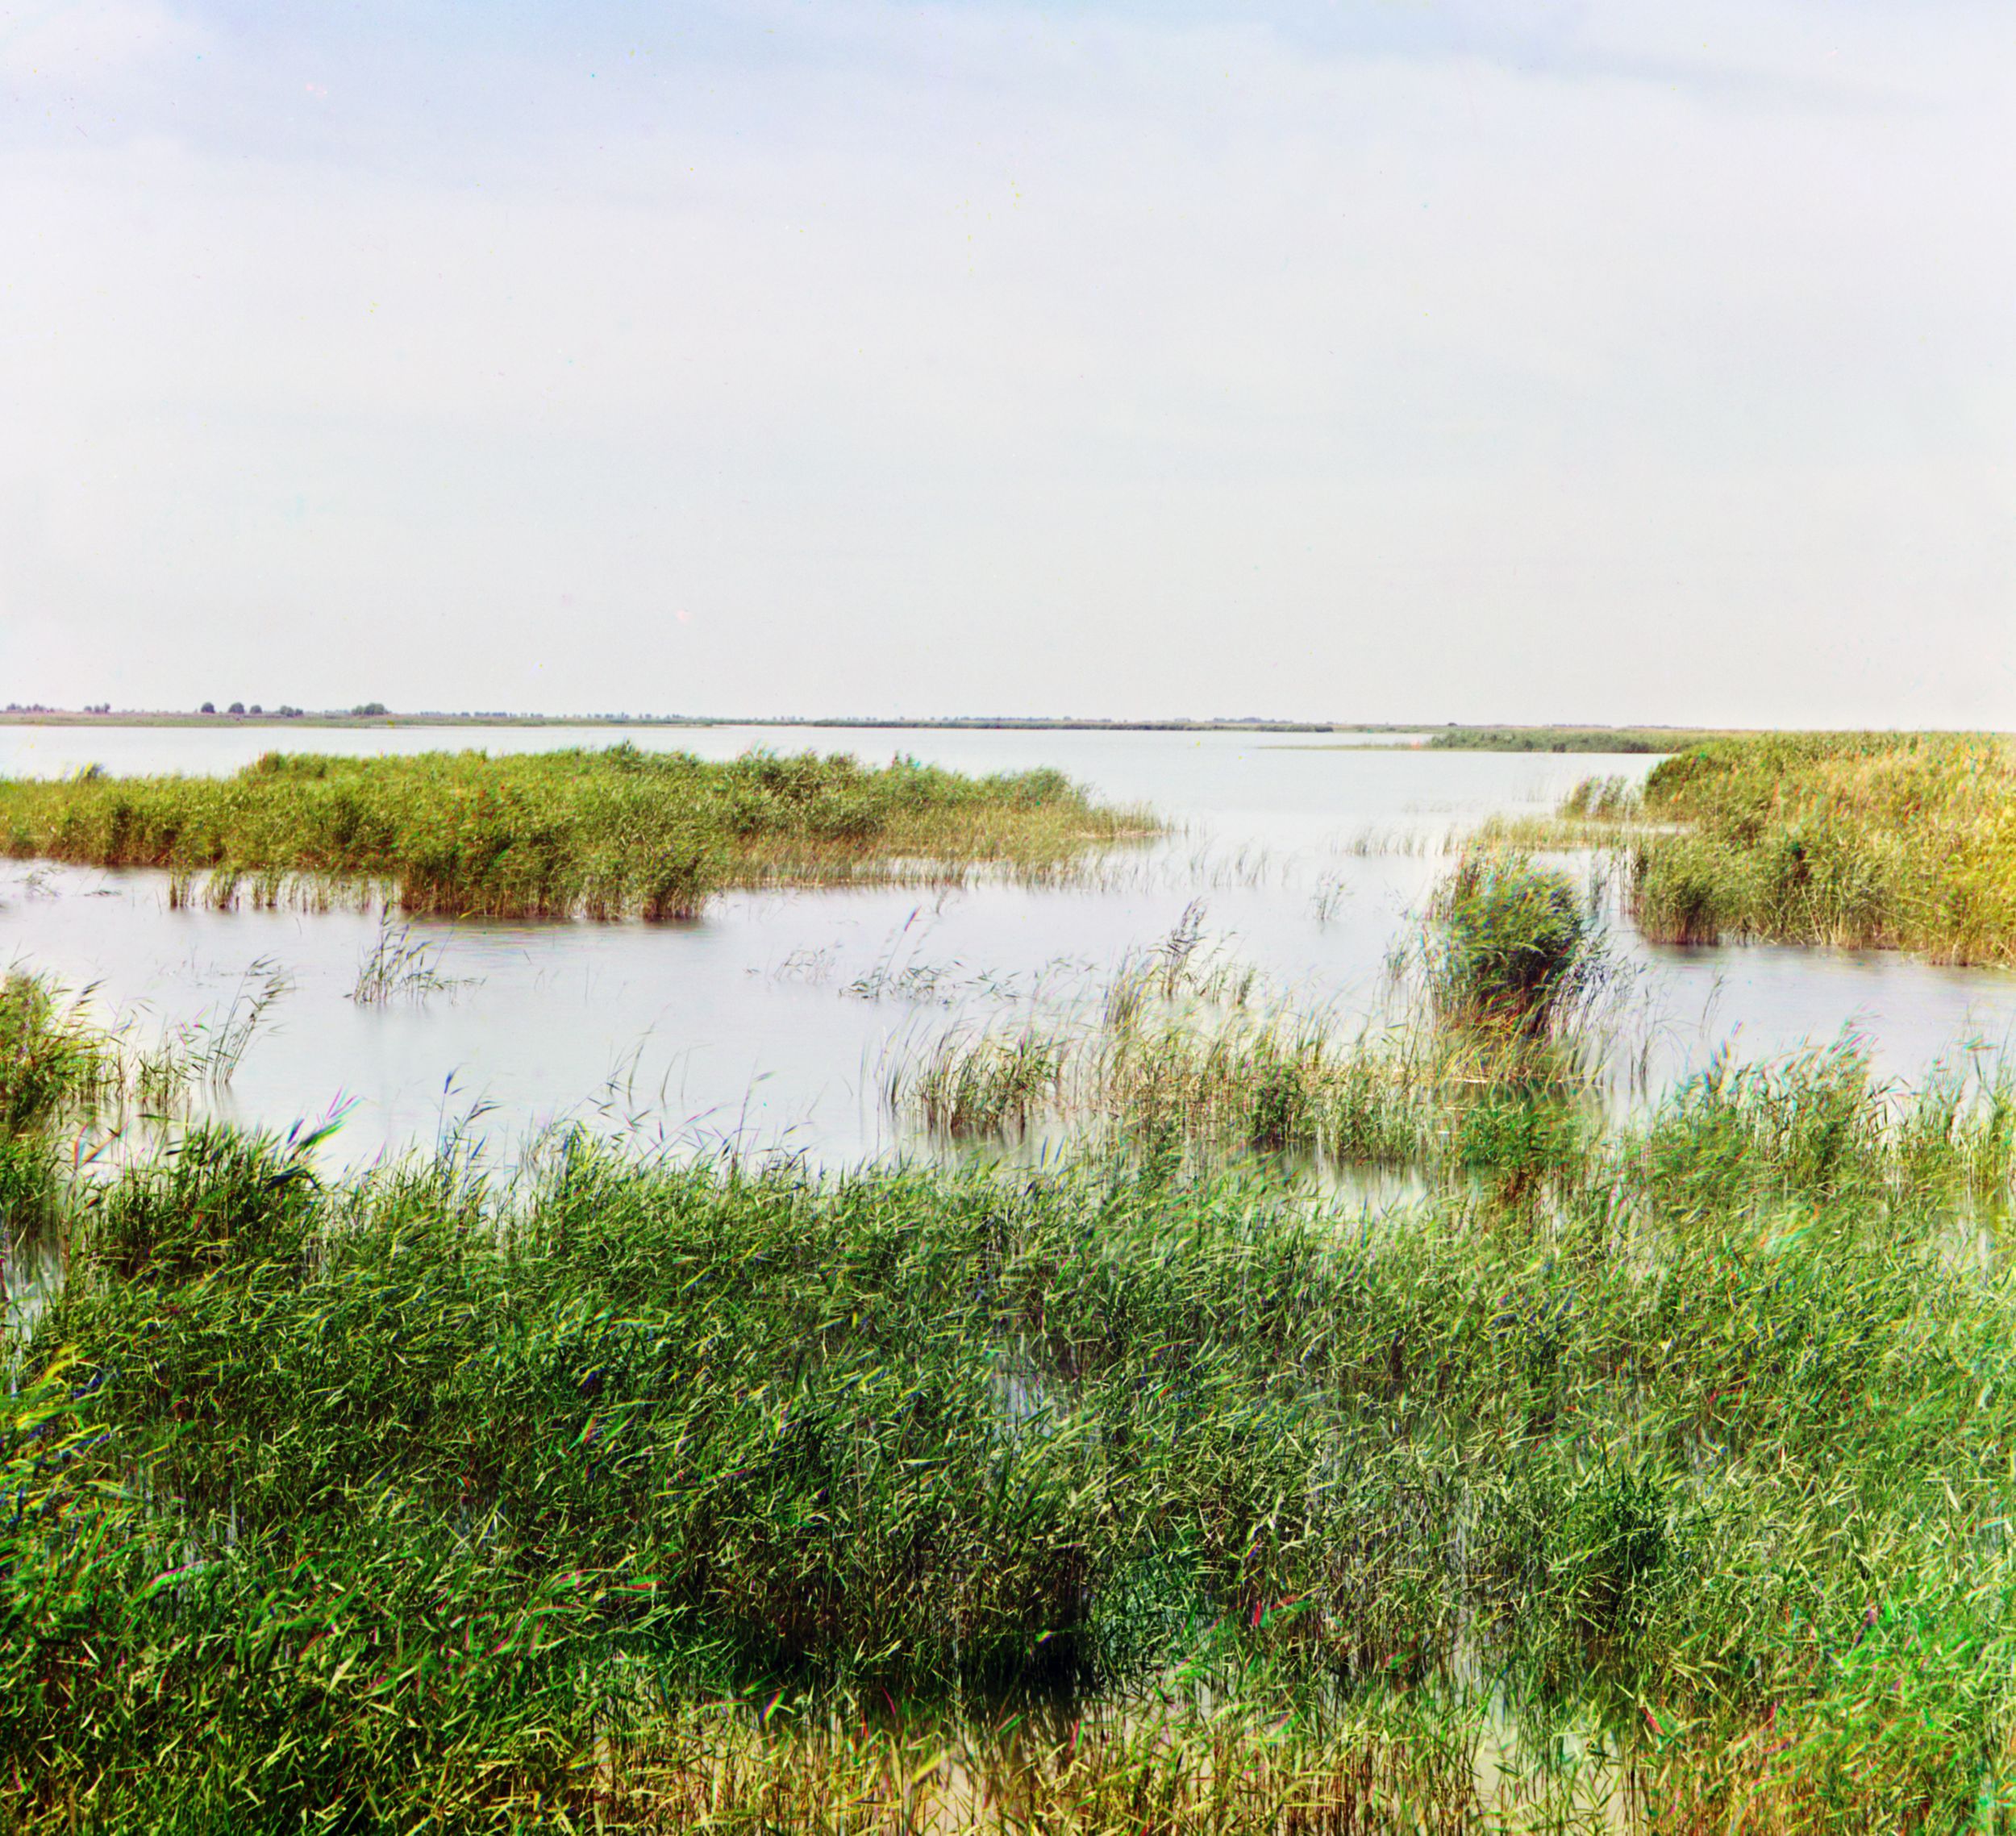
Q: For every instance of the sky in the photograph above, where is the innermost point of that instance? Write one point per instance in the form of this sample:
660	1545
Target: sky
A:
1372	361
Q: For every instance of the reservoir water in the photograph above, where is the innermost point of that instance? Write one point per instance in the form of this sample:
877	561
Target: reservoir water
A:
771	1022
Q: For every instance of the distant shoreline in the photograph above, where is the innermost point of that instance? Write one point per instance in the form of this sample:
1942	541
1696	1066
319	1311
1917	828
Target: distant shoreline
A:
72	717
954	723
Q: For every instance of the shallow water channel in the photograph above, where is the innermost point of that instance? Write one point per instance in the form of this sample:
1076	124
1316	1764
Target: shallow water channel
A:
772	1022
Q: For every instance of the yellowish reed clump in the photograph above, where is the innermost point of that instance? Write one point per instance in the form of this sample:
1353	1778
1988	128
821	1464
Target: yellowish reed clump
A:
1888	840
1167	1760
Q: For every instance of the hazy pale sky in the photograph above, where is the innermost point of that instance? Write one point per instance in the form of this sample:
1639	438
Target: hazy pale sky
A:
1614	360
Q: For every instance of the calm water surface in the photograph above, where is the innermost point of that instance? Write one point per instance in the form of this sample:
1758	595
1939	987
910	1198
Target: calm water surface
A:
771	1022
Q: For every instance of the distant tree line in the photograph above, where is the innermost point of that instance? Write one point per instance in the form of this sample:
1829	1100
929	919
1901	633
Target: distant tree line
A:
285	711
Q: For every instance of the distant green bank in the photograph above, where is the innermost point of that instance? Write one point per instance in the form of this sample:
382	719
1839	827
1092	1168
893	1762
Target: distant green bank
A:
609	833
1567	738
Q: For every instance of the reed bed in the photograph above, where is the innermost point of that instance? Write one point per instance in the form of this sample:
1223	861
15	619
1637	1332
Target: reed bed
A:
609	834
1654	1477
51	1060
54	1065
70	1085
1882	840
672	1496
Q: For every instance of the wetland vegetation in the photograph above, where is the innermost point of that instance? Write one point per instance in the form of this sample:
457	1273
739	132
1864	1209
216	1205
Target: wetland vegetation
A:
1890	840
1564	738
612	833
1643	1470
1488	1053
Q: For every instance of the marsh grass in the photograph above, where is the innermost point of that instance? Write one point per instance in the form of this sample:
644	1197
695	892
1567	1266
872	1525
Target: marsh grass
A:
911	1499
610	833
1647	1471
1863	840
1488	1057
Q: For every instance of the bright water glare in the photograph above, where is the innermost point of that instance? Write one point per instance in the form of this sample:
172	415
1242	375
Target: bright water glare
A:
772	1022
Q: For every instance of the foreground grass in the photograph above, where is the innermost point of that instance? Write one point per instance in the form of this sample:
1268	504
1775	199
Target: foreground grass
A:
1904	841
1089	1500
607	834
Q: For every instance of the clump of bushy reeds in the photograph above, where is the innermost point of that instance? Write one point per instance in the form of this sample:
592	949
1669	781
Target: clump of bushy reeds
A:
212	1197
69	1084
1611	799
607	834
53	1067
50	1060
1513	950
984	1082
28	1185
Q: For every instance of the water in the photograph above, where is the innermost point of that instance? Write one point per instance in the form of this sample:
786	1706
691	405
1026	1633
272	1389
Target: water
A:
771	1022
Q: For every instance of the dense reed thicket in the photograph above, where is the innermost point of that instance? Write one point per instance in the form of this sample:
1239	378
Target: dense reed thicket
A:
1897	840
50	1059
51	1064
607	834
440	1504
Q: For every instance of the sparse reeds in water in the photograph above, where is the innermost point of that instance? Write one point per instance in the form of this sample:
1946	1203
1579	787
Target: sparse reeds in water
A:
399	966
1413	843
1491	1067
216	1045
988	1081
1604	800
